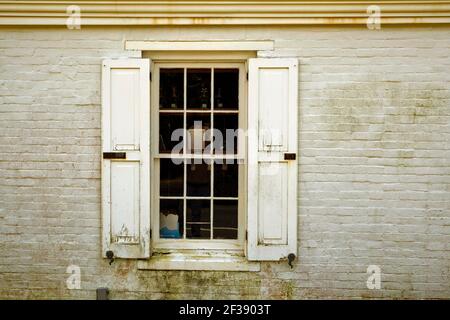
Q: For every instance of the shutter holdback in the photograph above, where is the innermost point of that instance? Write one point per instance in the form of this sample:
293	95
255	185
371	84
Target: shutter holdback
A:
291	257
110	256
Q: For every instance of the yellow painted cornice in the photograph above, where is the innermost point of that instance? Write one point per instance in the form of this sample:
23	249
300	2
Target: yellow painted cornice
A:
218	12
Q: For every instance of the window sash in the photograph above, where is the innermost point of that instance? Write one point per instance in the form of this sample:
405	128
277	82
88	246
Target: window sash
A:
208	244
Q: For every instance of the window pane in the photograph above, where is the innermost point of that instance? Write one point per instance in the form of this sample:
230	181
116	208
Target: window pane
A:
168	123
198	179
171	218
225	133
225	179
198	222
171	88
171	178
225	219
226	89
198	130
198	88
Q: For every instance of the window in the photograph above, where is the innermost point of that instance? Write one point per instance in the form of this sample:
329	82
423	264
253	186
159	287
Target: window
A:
198	114
175	175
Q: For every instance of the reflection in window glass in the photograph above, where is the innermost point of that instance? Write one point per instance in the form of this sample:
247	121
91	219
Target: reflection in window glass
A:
199	130
198	180
171	178
171	88
199	88
225	219
225	179
168	123
198	219
226	126
226	89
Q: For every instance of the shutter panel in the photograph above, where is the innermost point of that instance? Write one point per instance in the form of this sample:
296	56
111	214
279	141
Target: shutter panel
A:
272	177
126	155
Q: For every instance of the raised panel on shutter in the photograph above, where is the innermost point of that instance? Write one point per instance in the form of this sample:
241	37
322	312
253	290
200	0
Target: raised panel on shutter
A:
272	192
126	154
125	109
273	95
272	176
125	197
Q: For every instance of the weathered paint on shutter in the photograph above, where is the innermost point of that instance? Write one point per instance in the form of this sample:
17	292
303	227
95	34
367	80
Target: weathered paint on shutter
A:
126	154
272	179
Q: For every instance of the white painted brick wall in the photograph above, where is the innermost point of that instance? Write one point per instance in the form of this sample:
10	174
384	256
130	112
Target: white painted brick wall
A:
374	165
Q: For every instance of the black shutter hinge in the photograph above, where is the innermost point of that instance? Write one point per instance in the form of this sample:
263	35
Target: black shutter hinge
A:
150	76
247	75
150	233
246	235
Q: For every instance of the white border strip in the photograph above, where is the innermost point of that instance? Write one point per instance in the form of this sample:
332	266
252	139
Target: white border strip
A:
198	45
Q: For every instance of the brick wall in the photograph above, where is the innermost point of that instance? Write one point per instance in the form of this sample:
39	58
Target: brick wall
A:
374	165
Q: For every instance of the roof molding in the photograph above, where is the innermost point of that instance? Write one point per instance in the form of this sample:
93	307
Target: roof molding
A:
219	12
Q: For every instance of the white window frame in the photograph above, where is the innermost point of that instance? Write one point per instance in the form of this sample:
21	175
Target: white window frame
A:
191	60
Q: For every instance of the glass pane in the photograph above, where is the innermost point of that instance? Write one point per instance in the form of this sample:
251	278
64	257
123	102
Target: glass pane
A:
171	218
171	88
168	123
226	89
198	180
199	88
225	133
225	219
171	178
225	179
198	222
198	129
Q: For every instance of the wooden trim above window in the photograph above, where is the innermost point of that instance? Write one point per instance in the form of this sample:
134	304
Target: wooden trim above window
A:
219	12
198	45
198	55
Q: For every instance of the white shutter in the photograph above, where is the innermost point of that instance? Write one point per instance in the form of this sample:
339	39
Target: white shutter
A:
126	154
272	178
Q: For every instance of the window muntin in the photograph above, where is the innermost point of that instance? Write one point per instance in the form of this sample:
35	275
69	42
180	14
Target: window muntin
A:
199	198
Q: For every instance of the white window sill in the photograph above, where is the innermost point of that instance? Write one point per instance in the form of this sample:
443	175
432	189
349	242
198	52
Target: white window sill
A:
184	261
